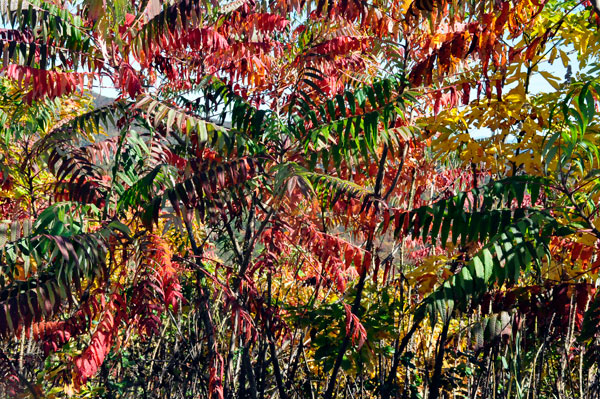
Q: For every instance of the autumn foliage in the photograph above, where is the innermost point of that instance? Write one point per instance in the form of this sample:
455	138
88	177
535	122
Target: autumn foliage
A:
299	199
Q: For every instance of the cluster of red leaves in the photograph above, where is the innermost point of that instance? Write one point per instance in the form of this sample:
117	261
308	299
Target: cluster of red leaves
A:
55	334
265	22
351	212
231	47
266	314
340	46
245	49
333	82
483	38
204	39
246	305
129	81
351	10
450	181
354	327
276	242
339	259
174	160
87	364
450	97
417	250
249	61
565	248
456	46
157	287
167	273
199	41
241	320
40	84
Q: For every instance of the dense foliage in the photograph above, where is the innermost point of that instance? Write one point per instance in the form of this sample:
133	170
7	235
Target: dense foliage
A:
289	199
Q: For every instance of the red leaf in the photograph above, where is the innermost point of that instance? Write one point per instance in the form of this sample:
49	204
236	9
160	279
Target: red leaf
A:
532	48
366	264
466	93
499	89
129	80
386	220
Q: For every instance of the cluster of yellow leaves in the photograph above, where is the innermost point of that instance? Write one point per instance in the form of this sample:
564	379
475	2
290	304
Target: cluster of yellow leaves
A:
429	273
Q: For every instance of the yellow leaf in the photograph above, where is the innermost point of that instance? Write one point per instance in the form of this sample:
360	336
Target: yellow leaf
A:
553	55
565	58
553	80
516	95
464	137
586	239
